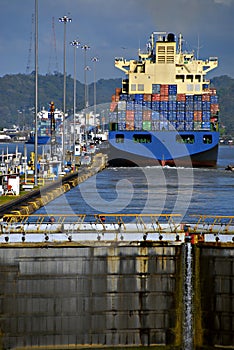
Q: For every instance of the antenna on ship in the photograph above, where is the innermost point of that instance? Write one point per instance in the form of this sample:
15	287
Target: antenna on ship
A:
180	43
198	46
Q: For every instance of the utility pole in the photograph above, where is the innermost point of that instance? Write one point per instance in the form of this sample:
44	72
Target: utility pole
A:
64	20
75	44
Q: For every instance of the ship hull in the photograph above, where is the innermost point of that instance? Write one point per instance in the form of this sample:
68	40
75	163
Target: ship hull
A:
164	150
41	140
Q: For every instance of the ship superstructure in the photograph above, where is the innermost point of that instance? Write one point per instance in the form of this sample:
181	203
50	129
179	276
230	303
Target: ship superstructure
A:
164	63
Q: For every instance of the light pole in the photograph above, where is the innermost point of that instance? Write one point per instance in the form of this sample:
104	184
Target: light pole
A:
36	94
86	68
64	20
75	44
95	60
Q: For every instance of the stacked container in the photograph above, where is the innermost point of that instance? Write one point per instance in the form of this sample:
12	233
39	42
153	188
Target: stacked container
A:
164	109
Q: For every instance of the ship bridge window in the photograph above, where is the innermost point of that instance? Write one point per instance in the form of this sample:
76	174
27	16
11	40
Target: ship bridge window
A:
198	77
186	138
207	139
180	77
141	87
189	77
133	87
138	138
119	138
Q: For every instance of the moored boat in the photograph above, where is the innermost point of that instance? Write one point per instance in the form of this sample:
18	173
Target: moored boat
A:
45	127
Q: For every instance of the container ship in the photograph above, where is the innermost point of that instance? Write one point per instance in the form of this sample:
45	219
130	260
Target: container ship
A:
165	112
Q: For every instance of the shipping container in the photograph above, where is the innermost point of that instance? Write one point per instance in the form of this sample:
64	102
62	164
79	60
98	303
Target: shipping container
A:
129	125
172	115
172	89
155	115
155	97
155	88
146	115
155	106
164	105
163	115
155	125
164	125
172	105
206	125
188	126
121	105
180	126
147	97
205	105
138	97
206	116
164	97
146	125
121	125
113	106
181	97
113	117
205	97
189	116
180	116
180	105
197	116
197	125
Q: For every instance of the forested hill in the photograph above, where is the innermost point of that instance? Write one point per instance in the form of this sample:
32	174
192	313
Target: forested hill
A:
17	96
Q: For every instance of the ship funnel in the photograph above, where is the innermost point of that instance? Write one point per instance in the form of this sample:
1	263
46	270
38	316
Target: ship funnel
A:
171	37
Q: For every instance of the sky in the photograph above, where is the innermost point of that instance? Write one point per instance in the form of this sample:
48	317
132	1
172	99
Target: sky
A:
111	28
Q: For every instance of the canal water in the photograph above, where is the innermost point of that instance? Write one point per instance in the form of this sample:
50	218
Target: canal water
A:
184	191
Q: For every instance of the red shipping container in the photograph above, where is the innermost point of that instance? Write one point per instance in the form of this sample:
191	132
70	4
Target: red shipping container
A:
130	125
118	91
147	115
214	107
164	97
113	106
147	97
155	97
181	97
205	97
197	116
129	114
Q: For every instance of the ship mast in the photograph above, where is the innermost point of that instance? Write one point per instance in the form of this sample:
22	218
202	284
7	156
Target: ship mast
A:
180	43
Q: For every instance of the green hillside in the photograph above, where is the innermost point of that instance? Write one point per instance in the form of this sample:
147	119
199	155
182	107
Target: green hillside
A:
17	97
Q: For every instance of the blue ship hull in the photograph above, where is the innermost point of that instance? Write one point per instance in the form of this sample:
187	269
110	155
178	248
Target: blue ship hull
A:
42	140
185	148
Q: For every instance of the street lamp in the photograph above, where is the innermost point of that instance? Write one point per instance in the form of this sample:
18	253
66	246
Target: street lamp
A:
85	48
86	68
75	44
94	60
36	95
64	20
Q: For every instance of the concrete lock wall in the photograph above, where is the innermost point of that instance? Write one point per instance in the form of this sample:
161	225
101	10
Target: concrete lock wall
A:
106	295
214	297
